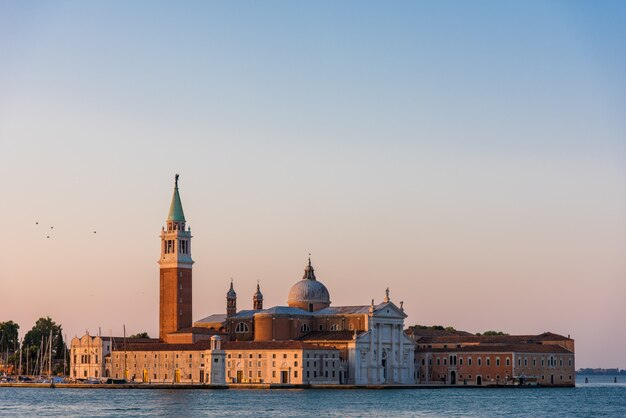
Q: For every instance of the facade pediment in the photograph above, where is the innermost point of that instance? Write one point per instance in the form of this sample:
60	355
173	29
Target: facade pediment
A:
388	310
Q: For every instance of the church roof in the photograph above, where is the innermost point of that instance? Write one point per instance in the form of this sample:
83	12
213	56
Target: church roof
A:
284	310
176	207
344	310
288	310
214	318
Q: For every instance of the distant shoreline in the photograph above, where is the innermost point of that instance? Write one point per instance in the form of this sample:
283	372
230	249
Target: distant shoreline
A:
198	386
601	372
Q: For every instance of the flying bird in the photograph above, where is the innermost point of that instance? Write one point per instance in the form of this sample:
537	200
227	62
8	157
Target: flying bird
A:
48	236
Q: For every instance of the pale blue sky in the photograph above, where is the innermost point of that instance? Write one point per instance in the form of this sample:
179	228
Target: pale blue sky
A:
470	155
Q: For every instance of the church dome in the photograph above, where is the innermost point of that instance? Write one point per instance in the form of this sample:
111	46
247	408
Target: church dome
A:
309	292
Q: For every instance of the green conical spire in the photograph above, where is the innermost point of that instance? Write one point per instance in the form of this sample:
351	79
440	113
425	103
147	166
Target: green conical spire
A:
176	207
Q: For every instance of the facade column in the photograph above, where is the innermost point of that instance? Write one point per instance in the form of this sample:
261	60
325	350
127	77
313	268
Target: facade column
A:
379	362
372	363
401	366
394	363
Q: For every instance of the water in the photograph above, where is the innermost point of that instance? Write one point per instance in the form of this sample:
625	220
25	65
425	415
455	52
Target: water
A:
598	398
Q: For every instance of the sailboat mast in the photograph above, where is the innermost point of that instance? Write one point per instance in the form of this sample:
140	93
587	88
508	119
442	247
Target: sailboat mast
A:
40	357
50	357
125	371
64	354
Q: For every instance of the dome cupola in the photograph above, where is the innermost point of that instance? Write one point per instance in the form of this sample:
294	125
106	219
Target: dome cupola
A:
309	294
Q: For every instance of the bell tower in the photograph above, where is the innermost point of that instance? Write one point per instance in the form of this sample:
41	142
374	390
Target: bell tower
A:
175	270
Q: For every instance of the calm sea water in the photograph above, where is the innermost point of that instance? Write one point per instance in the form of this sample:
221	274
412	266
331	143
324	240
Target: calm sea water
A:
598	398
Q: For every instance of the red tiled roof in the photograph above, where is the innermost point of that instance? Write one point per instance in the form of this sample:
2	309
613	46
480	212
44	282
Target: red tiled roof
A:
507	348
492	339
197	330
197	346
431	332
228	345
271	345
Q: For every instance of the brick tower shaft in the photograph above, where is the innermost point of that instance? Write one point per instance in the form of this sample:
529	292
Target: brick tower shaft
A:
175	302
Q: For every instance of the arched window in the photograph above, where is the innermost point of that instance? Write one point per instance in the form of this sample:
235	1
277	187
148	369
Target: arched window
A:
335	327
305	328
242	327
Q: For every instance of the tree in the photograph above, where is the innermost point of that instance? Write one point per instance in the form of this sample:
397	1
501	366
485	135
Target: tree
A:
9	339
42	328
491	333
140	335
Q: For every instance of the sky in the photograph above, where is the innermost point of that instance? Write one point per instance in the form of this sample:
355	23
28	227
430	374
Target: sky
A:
470	156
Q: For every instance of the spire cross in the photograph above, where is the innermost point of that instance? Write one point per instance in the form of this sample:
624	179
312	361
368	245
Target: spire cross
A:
176	180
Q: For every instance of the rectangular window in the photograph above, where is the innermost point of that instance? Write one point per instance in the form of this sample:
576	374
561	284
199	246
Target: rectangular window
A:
469	361
460	361
295	373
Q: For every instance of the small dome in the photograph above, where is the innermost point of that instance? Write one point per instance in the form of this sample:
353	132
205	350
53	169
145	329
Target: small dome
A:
308	290
231	292
258	295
